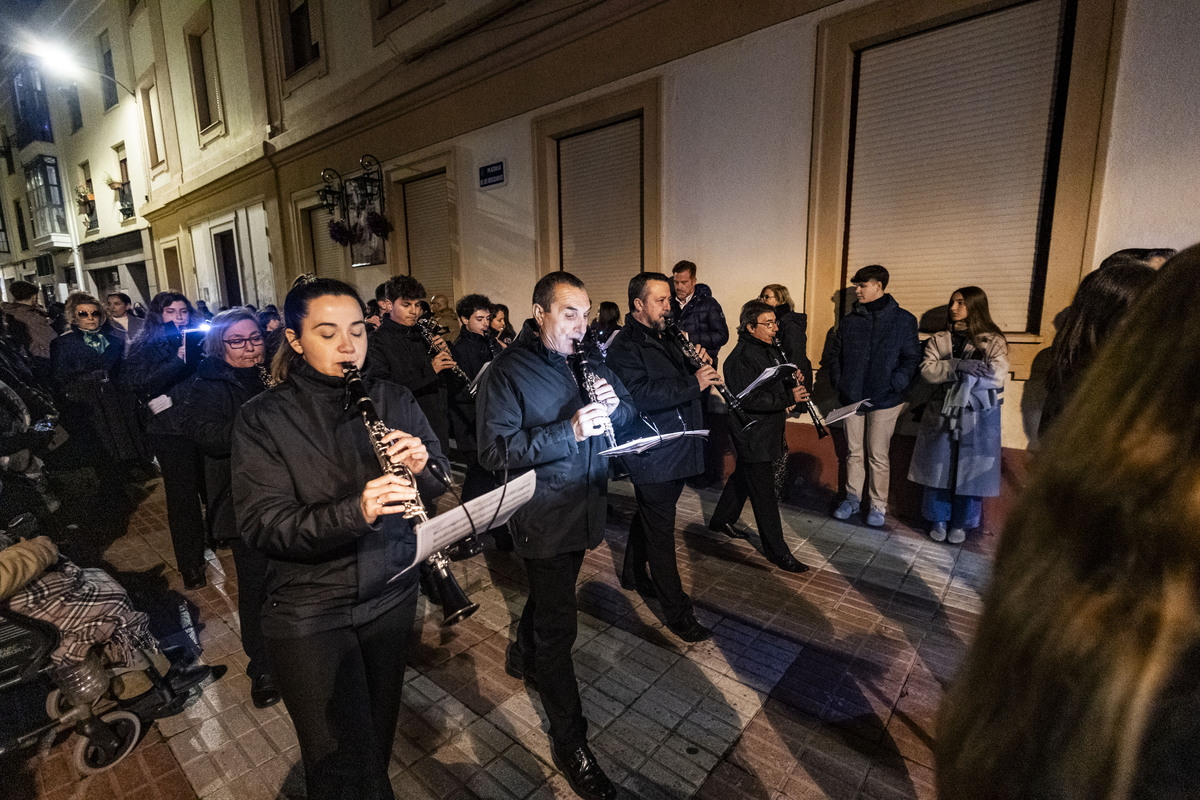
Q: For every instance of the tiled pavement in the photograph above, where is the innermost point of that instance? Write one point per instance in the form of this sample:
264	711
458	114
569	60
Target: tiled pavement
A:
824	684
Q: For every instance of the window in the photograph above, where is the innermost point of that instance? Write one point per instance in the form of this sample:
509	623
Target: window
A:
427	232
20	219
329	259
45	265
4	248
125	193
391	14
7	144
72	95
31	111
152	121
206	89
44	189
300	45
87	203
108	73
597	175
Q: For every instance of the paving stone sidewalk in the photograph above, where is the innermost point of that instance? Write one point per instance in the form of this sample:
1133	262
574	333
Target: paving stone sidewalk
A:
824	684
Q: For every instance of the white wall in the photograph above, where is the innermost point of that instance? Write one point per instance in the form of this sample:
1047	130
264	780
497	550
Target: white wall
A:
1151	193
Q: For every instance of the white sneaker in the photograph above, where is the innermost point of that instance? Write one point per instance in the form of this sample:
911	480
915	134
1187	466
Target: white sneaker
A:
957	536
875	517
848	507
938	532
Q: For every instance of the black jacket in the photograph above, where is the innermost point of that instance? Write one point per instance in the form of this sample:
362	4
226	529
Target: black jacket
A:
95	406
793	336
300	461
152	368
767	404
875	354
702	320
211	399
471	351
398	353
664	389
526	400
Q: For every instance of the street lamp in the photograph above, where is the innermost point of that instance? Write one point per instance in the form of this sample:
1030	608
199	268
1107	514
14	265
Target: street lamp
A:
57	61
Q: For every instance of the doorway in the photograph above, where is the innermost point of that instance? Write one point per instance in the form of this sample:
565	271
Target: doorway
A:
225	249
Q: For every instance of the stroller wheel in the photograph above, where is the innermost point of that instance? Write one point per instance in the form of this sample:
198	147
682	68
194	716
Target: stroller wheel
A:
90	759
56	704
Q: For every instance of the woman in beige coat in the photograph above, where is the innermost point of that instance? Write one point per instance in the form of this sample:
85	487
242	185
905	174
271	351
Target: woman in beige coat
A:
957	455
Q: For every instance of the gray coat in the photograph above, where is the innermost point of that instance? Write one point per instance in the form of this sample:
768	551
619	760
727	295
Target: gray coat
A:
973	408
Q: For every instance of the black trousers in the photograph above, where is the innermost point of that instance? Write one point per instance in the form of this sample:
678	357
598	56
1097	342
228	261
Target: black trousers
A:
477	482
251	566
342	690
757	482
182	466
545	636
652	542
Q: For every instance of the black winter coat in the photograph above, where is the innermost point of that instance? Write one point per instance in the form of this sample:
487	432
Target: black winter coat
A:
471	351
793	337
152	368
398	353
664	389
702	320
875	354
95	407
300	461
526	400
767	404
211	399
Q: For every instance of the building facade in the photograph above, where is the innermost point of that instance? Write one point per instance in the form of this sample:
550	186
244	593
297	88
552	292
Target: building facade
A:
479	144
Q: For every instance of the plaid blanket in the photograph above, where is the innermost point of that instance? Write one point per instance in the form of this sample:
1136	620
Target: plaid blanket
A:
88	607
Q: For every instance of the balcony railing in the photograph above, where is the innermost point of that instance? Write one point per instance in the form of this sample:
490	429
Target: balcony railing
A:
125	200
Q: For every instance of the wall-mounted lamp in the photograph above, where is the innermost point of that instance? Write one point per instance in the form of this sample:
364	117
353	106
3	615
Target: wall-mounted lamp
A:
332	195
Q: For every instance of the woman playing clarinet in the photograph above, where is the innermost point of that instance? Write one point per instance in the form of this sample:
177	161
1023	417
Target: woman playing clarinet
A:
309	494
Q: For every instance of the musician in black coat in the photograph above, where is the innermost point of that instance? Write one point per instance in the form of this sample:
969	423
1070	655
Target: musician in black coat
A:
399	353
667	391
532	415
759	445
308	493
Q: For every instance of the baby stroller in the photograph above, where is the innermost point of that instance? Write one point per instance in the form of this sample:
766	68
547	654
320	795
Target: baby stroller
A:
105	706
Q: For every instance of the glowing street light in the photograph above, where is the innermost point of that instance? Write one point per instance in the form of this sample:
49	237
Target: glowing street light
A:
56	60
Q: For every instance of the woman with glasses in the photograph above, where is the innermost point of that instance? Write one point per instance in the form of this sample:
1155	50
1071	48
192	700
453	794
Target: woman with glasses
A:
759	446
792	335
156	368
231	373
85	363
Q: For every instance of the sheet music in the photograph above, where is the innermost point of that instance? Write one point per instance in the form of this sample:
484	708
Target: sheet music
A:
839	414
475	381
767	374
646	442
488	511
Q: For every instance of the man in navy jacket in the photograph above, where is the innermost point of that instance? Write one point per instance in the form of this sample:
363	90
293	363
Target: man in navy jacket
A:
874	356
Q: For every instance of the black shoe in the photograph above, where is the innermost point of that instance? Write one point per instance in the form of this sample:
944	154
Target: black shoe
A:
789	563
583	773
728	530
689	629
641	584
519	667
194	580
263	691
182	678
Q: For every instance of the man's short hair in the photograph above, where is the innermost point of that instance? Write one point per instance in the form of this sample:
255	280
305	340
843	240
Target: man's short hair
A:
689	266
752	311
637	285
381	292
23	290
544	289
404	287
467	306
871	272
123	297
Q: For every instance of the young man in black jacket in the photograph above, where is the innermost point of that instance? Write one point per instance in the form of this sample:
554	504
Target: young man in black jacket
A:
668	392
759	445
532	415
874	355
398	353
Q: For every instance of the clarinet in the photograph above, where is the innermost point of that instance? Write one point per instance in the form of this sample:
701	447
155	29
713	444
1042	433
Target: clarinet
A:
455	605
693	356
429	328
587	381
790	381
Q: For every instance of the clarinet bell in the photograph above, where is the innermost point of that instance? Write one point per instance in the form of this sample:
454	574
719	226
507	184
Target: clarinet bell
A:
456	606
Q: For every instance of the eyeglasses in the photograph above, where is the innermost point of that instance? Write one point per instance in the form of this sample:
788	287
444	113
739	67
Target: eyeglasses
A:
88	314
240	343
768	323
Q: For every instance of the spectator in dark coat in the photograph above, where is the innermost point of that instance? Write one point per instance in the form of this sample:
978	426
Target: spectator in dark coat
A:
86	363
231	373
155	370
874	356
124	324
29	325
760	445
793	328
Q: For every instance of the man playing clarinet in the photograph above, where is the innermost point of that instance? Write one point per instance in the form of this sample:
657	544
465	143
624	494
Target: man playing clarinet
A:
668	392
532	414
